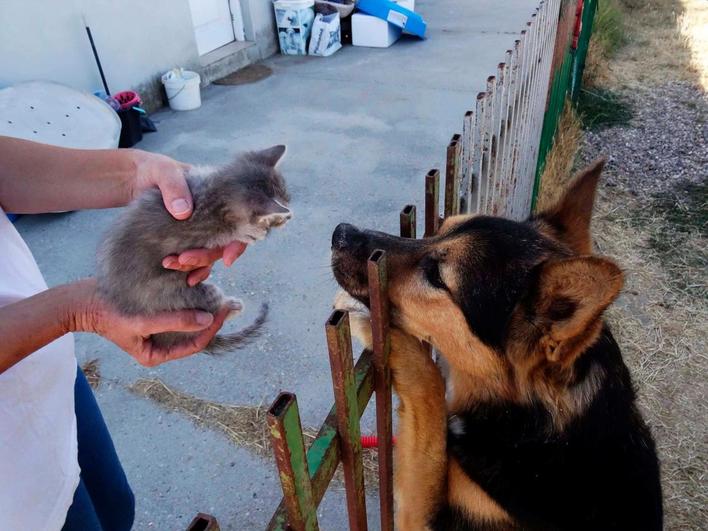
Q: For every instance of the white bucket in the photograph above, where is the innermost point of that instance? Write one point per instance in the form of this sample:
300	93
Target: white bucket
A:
182	88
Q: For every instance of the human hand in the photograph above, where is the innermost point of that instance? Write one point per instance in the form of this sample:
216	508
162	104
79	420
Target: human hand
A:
198	262
132	333
155	170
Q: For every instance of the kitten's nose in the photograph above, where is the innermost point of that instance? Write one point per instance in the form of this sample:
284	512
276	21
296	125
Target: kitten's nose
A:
342	236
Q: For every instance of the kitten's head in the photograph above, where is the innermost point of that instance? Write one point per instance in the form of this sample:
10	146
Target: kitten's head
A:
252	193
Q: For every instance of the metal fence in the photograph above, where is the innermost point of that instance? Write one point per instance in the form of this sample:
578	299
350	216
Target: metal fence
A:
507	136
492	167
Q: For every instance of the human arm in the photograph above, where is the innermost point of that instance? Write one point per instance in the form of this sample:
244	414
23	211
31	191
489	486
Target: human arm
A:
31	323
38	178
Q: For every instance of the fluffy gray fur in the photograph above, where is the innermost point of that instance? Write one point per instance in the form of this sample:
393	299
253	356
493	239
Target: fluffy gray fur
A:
241	200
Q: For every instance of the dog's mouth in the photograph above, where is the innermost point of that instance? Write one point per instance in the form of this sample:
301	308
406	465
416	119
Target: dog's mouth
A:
349	257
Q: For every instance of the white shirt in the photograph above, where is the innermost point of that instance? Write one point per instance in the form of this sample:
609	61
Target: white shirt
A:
39	470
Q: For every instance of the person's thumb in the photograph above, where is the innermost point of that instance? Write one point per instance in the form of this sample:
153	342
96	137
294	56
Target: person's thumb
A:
176	196
178	321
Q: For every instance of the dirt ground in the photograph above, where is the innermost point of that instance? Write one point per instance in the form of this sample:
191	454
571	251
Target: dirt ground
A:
652	217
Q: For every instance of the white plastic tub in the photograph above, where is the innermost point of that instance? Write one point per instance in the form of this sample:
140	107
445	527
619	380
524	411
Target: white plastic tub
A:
182	88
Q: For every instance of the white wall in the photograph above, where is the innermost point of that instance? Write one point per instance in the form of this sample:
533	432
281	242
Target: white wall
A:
137	40
46	39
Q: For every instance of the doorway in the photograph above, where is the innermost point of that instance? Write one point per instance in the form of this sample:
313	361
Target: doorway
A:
216	23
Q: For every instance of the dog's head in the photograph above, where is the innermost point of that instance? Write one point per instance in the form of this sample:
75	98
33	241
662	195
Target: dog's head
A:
510	302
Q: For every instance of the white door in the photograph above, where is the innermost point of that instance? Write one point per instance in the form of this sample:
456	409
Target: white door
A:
214	25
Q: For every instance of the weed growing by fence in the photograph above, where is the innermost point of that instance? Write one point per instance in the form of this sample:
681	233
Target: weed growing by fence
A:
600	107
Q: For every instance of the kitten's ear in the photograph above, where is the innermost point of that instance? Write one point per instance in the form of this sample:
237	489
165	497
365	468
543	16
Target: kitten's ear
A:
273	212
271	156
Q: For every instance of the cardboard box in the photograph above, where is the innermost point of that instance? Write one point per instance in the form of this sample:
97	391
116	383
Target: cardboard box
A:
374	32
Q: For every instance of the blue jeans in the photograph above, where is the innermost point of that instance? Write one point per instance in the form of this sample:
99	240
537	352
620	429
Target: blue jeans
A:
103	500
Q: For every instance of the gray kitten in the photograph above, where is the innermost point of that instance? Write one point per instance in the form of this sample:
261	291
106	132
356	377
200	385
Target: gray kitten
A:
238	201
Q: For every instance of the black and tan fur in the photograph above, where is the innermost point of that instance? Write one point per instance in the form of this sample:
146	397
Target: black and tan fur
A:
536	424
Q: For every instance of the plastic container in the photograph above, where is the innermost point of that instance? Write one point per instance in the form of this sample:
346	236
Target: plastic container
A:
396	14
294	20
127	99
131	131
182	88
345	8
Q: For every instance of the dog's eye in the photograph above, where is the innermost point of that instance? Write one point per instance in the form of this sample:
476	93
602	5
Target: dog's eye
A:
431	268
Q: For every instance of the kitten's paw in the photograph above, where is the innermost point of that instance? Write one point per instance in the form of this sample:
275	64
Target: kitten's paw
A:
344	301
235	307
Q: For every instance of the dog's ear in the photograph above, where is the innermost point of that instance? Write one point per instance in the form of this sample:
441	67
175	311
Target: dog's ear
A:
571	296
571	216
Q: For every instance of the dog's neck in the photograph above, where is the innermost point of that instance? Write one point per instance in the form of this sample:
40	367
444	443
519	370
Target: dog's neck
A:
470	382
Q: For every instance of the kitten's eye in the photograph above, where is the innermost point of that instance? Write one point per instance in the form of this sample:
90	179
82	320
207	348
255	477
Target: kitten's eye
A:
431	269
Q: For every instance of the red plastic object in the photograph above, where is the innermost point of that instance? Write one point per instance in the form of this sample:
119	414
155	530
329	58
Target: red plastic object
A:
372	441
578	23
127	99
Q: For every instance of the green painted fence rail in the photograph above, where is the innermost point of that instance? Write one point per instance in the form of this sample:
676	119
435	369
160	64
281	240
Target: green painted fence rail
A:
575	21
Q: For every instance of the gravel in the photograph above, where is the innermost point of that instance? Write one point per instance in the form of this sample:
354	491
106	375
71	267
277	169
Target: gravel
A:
665	144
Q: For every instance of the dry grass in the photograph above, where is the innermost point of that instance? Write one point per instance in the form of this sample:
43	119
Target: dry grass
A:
661	320
693	26
662	331
597	70
92	372
245	426
661	37
560	159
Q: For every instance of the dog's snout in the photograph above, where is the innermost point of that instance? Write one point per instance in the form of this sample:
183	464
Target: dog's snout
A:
342	237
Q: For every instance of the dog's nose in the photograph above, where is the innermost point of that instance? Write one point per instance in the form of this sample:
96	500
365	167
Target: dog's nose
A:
342	235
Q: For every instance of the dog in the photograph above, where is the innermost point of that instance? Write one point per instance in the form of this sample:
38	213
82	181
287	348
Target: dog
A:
535	426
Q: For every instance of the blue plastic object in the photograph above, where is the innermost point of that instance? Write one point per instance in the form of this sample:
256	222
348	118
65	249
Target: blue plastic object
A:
406	19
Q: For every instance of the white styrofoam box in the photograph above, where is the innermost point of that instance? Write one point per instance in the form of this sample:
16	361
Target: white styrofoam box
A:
408	4
373	31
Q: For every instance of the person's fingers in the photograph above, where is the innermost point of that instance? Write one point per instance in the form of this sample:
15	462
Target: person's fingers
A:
178	321
155	356
202	340
191	259
171	262
149	355
176	195
198	275
232	251
199	257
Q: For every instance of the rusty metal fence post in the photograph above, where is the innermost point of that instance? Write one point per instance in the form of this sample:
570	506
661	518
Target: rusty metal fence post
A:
432	203
341	362
378	287
305	475
289	448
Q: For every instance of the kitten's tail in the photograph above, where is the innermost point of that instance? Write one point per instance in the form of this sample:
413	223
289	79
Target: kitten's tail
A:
221	344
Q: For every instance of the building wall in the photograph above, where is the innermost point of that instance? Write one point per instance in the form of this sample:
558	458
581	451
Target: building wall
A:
137	40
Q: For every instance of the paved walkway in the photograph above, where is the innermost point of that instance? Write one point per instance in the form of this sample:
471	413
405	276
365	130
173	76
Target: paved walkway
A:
362	127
